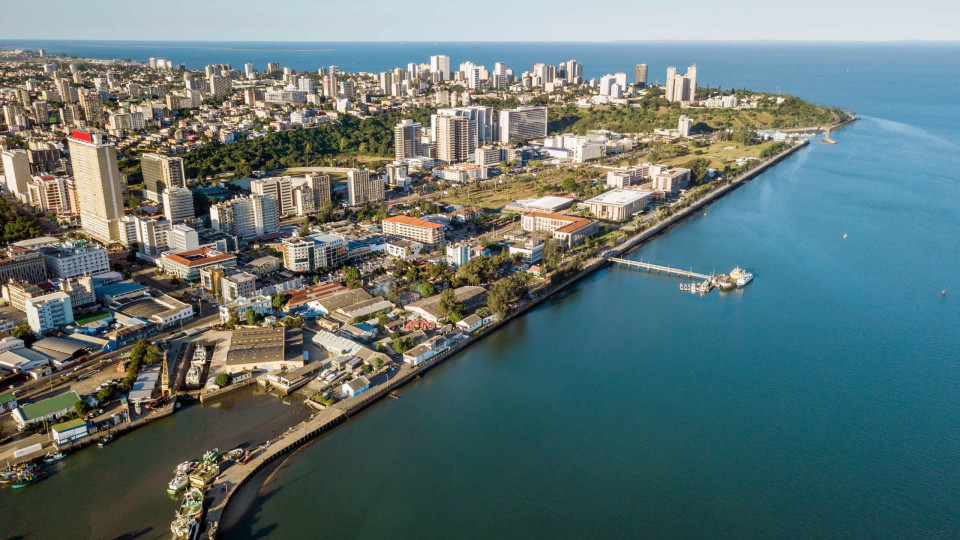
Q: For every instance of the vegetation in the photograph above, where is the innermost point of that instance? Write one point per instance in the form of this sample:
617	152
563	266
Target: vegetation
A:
223	380
81	408
507	290
106	394
25	333
17	226
451	306
279	300
143	353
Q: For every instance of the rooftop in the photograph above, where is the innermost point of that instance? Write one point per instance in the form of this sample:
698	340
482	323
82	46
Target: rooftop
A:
414	222
199	257
619	197
265	345
575	222
44	407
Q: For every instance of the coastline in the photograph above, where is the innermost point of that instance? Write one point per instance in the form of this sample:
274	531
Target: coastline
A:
239	485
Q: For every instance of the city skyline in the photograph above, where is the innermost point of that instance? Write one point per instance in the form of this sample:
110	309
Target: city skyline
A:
753	20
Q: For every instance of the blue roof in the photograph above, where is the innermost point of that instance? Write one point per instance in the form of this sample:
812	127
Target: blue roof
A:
115	289
364	327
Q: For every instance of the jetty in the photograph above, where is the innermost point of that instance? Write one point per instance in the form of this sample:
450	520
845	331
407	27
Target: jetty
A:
660	269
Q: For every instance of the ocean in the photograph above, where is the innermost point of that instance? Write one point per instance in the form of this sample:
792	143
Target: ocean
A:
819	401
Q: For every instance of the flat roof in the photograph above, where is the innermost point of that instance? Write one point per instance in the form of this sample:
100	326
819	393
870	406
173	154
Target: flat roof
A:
70	424
199	257
619	197
142	389
123	287
265	345
414	222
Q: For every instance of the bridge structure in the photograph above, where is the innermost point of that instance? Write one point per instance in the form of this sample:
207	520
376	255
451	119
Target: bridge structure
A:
658	268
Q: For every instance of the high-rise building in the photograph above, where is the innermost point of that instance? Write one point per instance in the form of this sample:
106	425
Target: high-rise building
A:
684	125
319	183
314	252
456	142
574	72
522	124
681	88
441	64
218	85
97	179
178	204
50	193
363	188
386	83
246	217
273	69
92	107
280	188
161	173
640	75
406	138
49	311
16	169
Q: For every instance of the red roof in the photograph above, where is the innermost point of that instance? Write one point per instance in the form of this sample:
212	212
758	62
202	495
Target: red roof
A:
415	222
314	292
82	136
199	257
575	222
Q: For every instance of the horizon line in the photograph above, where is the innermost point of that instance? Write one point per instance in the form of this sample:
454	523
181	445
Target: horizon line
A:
672	41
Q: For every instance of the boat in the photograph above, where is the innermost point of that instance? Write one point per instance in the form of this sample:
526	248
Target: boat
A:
185	468
211	456
204	475
234	454
26	479
740	276
245	457
106	440
178	483
53	457
186	524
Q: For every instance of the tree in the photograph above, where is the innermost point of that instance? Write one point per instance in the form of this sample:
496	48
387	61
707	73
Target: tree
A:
106	394
233	319
223	380
451	306
81	408
497	300
279	300
251	317
426	289
378	363
25	333
352	274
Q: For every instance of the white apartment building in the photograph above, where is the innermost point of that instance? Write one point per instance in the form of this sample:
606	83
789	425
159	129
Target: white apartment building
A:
246	217
182	238
75	260
261	305
161	173
152	235
99	192
363	188
16	171
178	204
406	137
423	231
314	252
281	189
49	311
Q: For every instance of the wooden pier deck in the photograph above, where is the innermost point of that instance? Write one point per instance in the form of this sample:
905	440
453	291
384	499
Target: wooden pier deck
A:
660	269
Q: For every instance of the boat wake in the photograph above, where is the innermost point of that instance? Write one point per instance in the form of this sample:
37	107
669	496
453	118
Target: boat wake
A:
911	131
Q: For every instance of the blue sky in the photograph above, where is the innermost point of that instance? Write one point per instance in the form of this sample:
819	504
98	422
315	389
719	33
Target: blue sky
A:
482	20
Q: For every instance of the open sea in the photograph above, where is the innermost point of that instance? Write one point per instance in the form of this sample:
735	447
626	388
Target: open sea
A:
821	401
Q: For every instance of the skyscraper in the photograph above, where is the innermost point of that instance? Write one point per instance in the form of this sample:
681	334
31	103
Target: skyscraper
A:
522	124
97	178
681	88
246	217
441	64
280	188
362	188
16	169
161	173
640	75
406	137
456	142
319	183
574	72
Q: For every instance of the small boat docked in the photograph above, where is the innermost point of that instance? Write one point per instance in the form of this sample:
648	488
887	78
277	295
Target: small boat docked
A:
234	454
26	479
177	484
53	457
106	440
186	524
211	456
185	468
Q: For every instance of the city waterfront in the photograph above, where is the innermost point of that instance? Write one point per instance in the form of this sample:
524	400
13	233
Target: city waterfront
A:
820	401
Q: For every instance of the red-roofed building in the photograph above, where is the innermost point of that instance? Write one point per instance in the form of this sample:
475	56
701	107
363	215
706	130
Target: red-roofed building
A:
314	292
570	230
421	230
187	264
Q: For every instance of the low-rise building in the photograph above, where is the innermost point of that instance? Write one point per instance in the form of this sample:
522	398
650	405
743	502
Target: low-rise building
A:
187	265
530	252
421	230
69	431
670	179
265	349
76	259
49	311
261	305
403	248
356	386
22	264
429	308
618	204
47	409
571	230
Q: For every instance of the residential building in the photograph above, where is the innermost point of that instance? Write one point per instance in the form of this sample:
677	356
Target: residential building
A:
570	230
187	265
314	252
16	171
364	189
421	230
49	311
76	259
22	265
459	254
618	204
440	64
50	194
406	137
684	125
246	217
403	248
16	293
523	124
670	179
281	189
640	75
152	235
183	238
681	88
178	204
456	138
98	184
319	183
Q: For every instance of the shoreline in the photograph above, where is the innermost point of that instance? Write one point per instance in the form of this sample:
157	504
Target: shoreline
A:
218	510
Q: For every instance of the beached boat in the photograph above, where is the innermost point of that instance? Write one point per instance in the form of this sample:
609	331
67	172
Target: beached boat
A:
186	524
53	457
178	483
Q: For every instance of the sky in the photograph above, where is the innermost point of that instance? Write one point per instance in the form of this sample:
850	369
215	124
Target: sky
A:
482	20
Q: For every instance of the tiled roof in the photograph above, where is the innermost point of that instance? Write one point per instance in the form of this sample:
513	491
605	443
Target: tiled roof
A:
415	222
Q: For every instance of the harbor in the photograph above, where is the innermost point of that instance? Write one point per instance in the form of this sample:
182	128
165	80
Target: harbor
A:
737	277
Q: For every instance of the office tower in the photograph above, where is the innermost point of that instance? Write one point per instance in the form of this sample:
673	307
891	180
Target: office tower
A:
681	88
441	64
16	170
246	217
97	179
92	107
406	139
546	73
280	188
319	183
363	188
499	79
456	142
522	124
640	75
161	173
178	204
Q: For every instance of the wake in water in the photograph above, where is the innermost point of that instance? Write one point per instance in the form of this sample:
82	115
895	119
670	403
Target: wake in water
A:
910	131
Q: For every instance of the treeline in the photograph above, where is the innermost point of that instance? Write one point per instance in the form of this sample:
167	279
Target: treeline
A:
16	226
302	147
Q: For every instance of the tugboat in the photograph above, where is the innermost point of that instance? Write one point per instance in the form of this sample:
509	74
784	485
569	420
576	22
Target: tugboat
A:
106	440
26	479
186	525
53	457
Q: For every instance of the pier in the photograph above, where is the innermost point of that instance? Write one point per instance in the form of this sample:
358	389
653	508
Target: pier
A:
660	269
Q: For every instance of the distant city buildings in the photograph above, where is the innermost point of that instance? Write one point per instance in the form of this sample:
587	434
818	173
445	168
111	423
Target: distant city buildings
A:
681	88
362	188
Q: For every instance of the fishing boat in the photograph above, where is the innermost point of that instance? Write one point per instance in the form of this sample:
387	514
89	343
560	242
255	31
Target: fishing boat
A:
204	475
740	276
26	479
106	440
211	456
178	483
53	457
186	524
245	457
185	468
234	454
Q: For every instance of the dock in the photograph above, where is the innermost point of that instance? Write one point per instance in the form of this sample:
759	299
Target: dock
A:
660	269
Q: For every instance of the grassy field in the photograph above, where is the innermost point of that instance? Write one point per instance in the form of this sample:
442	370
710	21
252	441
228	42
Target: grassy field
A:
720	153
529	186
